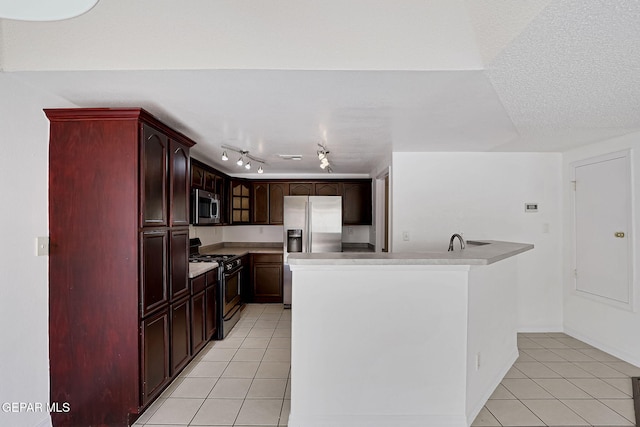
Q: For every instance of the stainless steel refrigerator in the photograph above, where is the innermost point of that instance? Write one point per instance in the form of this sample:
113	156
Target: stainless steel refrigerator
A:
311	224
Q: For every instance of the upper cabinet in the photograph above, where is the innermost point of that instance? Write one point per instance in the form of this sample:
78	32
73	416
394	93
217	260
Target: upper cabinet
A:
261	202
356	203
153	186
179	179
328	189
260	211
277	191
204	177
301	189
240	202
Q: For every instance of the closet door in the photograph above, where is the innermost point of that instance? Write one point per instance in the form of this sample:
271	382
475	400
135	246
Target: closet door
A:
602	212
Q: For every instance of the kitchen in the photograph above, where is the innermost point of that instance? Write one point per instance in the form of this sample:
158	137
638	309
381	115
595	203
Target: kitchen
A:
483	198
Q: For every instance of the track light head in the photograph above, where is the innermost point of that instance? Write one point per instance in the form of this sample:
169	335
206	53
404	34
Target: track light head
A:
224	156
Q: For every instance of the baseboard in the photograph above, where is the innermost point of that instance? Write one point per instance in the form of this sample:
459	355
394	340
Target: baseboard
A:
378	420
541	329
635	385
627	357
471	415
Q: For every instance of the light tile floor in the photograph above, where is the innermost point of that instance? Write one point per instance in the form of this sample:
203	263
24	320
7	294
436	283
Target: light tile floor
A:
561	381
245	380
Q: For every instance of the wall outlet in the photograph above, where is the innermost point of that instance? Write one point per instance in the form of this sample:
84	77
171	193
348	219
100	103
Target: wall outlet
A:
405	236
42	246
477	361
349	230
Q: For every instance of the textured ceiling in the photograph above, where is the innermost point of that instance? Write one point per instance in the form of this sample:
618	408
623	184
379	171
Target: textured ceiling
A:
557	74
573	75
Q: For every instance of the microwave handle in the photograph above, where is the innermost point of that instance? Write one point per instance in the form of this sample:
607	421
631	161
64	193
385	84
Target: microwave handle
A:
195	207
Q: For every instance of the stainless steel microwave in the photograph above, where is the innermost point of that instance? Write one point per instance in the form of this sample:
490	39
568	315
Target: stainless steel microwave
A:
205	207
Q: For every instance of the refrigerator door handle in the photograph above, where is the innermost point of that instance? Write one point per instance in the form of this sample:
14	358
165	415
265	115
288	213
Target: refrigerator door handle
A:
309	224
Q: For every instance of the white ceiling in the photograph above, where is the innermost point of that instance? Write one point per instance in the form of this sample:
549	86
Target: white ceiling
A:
556	74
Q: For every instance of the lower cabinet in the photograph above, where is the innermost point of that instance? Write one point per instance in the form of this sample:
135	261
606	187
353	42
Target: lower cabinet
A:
180	335
204	296
155	355
198	338
266	278
211	311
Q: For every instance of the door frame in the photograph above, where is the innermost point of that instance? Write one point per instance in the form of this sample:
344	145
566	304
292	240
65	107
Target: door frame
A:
382	212
627	156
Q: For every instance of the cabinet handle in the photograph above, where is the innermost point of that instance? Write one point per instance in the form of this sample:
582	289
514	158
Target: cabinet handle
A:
619	234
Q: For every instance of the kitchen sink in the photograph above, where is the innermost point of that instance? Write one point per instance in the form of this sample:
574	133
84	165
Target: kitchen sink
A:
476	243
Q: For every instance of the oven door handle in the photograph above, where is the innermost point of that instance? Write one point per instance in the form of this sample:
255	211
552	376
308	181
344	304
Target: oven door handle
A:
232	272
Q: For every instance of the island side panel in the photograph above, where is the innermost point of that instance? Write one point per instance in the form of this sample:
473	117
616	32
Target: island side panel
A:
379	346
492	333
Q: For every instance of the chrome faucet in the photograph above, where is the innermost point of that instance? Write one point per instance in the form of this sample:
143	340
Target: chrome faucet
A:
451	242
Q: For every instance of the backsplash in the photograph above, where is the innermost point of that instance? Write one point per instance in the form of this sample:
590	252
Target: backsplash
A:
265	233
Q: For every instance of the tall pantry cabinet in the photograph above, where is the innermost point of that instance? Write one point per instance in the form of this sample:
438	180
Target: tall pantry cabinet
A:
118	265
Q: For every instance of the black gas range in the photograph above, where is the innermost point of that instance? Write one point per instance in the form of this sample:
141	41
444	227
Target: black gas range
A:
230	274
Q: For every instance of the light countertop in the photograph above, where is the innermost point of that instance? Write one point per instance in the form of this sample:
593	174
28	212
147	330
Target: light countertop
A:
198	268
477	252
241	250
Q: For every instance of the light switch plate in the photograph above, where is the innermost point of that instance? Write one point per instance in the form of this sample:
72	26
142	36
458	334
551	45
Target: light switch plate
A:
42	246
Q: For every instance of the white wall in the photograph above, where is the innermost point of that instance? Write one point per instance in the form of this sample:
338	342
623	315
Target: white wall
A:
24	304
491	330
376	363
482	195
614	330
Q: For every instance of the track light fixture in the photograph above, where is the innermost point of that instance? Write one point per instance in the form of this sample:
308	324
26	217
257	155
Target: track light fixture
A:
245	158
322	156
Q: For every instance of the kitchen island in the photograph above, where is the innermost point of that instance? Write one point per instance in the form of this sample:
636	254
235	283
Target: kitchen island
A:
401	339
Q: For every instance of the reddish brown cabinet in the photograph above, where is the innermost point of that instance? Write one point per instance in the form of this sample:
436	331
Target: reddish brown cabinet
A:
301	189
210	312
204	294
153	185
260	211
277	191
155	360
198	307
118	190
180	338
328	189
240	202
179	261
153	270
266	278
356	203
179	189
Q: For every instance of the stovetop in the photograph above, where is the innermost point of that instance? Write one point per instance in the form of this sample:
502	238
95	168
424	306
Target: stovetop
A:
210	258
